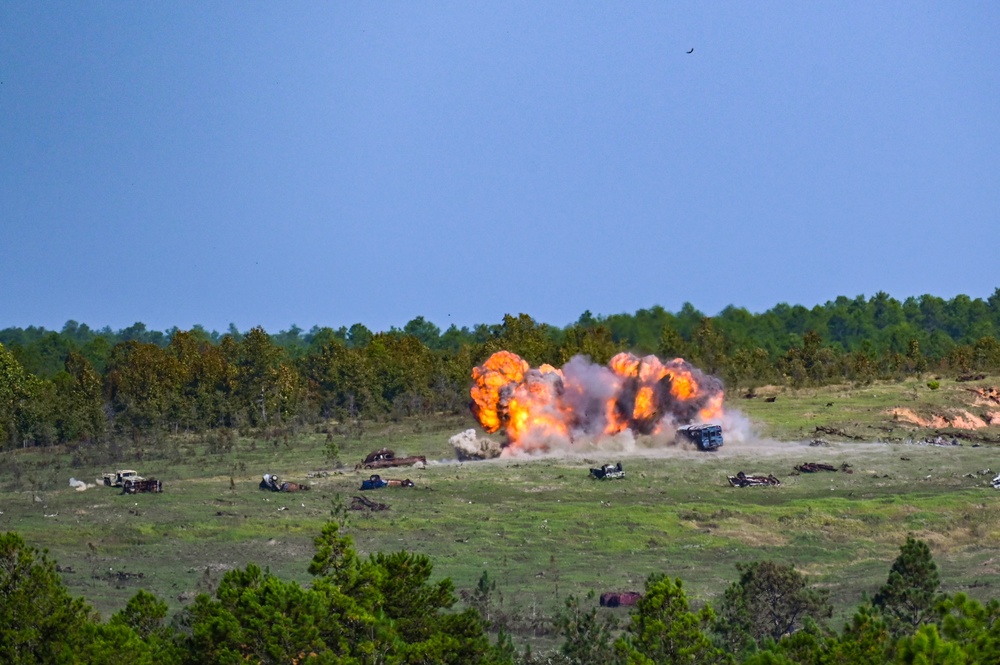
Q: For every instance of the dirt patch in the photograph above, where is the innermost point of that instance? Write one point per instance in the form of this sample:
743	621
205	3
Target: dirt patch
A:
966	420
958	420
986	396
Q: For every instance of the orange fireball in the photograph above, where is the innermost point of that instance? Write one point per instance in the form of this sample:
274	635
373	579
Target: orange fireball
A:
537	407
501	369
624	364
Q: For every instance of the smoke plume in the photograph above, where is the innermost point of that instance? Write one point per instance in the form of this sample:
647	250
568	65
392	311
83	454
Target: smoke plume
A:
584	403
79	485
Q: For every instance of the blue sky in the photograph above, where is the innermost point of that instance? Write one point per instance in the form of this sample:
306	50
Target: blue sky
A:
330	163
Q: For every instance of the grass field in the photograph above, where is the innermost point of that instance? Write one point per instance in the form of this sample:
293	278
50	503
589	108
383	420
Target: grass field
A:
541	527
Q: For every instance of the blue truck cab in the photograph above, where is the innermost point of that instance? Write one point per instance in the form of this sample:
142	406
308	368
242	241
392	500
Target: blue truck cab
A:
704	437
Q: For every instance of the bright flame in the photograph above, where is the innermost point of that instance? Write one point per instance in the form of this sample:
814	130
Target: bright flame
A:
538	407
644	407
501	369
533	411
624	364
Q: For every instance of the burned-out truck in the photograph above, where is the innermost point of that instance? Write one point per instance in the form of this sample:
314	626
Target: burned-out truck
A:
120	477
704	437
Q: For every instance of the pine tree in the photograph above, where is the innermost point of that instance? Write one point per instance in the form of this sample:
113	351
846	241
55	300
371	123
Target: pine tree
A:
769	600
908	598
926	647
39	621
587	635
665	630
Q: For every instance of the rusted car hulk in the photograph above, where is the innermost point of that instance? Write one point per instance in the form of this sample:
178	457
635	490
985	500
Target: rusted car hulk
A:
383	458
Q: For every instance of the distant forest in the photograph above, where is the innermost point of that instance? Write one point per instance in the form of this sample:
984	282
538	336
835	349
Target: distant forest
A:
85	385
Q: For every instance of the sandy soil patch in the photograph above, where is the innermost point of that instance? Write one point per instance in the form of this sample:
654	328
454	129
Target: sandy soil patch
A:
959	420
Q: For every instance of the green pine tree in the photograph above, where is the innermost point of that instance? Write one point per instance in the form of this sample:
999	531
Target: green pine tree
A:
665	630
39	621
769	601
907	600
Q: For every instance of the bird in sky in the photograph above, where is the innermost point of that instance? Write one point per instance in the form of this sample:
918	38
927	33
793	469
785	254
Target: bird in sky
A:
691	50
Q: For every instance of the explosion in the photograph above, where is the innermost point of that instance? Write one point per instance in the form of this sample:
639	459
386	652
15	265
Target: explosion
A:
537	408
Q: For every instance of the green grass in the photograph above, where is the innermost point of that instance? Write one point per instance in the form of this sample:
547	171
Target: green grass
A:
542	528
861	410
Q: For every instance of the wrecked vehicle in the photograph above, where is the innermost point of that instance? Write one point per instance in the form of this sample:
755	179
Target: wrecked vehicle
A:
377	482
743	480
118	478
141	486
619	598
996	482
383	458
608	472
270	482
704	437
362	503
816	467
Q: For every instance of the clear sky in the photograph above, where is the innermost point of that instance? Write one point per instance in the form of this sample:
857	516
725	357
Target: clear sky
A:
326	163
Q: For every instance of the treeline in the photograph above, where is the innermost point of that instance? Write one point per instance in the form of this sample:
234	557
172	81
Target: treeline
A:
81	385
386	609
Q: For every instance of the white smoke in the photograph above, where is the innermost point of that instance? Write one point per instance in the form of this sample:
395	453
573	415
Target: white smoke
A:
737	428
469	446
79	485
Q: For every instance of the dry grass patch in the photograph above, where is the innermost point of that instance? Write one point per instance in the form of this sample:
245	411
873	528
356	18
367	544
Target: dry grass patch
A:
751	535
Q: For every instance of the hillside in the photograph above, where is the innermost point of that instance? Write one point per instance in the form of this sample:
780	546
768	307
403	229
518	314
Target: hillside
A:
540	526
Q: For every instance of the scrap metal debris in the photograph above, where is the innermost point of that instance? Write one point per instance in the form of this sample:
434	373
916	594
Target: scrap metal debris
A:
938	441
814	467
984	472
608	472
743	480
383	458
142	486
363	503
272	483
833	431
318	474
619	598
377	482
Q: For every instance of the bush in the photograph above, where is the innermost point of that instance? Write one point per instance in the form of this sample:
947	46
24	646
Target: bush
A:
933	385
